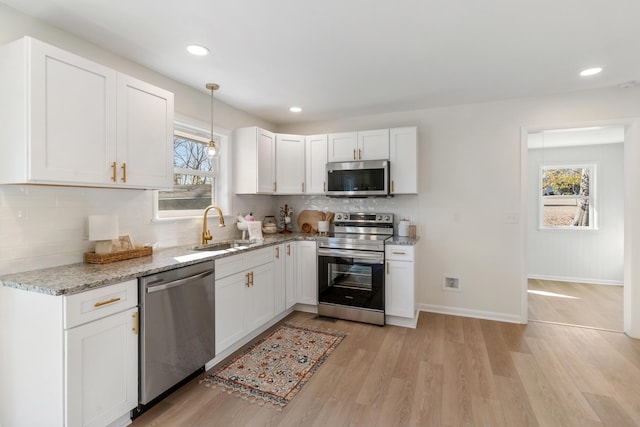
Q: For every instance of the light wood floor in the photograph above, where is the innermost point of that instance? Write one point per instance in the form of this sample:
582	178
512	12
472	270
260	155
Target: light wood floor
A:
450	371
596	306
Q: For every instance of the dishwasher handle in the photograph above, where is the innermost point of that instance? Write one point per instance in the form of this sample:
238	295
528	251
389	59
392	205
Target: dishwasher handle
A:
155	288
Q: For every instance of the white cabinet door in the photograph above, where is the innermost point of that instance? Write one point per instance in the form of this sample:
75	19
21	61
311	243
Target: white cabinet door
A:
403	159
399	289
145	134
373	144
279	284
102	370
229	310
342	147
399	281
316	164
254	153
290	274
72	117
266	161
259	297
290	164
361	145
307	273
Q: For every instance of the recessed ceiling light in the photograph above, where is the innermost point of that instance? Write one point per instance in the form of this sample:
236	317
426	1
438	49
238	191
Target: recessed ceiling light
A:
295	109
197	50
591	71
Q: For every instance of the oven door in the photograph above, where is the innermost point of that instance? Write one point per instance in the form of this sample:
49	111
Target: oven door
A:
351	278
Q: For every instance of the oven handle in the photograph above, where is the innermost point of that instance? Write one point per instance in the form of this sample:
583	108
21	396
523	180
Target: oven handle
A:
376	257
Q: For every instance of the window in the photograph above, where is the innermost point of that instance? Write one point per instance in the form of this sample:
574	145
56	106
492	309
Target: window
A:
197	178
567	198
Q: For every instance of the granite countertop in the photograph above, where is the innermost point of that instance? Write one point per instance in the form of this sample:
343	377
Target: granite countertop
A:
75	278
405	241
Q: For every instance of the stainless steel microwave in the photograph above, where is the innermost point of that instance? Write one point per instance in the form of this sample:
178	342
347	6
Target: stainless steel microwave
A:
358	179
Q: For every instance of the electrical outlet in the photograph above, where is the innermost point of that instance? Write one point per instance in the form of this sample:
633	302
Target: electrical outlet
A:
451	283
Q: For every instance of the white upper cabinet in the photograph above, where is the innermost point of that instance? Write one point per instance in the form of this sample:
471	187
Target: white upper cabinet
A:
373	144
403	159
254	161
290	164
145	134
342	146
316	164
74	122
363	145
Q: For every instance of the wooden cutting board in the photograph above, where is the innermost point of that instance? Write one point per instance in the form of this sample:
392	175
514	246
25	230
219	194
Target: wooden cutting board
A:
311	218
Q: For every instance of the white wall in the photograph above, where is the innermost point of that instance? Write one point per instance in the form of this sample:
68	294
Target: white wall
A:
470	192
595	256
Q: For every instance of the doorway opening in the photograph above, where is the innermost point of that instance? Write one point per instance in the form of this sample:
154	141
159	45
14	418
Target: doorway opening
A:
575	226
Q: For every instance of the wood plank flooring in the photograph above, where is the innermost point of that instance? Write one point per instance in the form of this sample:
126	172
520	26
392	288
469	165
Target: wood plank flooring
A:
450	371
595	306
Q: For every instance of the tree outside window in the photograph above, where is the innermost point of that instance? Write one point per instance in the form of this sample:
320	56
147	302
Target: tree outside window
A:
194	182
567	197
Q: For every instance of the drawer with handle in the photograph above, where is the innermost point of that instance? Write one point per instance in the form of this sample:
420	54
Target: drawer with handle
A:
398	253
92	305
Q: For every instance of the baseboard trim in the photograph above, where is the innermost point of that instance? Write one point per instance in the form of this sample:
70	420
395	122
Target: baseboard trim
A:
476	314
405	322
576	280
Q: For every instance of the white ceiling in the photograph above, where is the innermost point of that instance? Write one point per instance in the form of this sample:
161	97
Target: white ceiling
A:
339	58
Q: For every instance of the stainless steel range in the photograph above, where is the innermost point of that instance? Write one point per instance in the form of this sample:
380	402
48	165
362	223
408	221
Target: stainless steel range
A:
351	267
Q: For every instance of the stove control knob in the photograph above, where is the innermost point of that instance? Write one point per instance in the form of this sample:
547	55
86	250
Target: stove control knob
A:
378	218
387	218
345	217
339	216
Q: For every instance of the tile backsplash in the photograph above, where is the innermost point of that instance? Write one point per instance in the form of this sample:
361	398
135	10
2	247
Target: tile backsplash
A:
47	226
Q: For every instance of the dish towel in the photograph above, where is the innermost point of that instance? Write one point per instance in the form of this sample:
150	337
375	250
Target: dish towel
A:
255	230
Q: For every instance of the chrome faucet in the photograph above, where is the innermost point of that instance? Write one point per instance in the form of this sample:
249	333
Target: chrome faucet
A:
206	234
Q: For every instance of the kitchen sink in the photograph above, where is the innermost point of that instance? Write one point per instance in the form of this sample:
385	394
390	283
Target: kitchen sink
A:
222	246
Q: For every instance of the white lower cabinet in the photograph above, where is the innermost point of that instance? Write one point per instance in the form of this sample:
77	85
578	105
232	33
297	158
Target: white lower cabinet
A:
102	370
306	288
245	295
290	274
399	282
68	360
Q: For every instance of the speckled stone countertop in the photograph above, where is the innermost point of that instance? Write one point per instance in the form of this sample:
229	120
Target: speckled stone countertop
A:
406	241
74	278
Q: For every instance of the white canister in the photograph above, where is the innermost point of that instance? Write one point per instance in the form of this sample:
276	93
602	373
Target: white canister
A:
323	227
403	228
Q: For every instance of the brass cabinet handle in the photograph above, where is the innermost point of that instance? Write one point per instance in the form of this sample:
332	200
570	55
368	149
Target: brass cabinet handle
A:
359	154
354	154
392	186
136	323
277	252
114	165
303	187
275	186
289	249
387	265
247	284
124	172
101	303
398	253
251	278
324	186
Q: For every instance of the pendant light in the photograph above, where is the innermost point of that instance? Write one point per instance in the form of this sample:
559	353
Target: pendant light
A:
214	149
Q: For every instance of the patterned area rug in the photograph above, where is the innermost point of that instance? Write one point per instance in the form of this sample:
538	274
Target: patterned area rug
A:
274	370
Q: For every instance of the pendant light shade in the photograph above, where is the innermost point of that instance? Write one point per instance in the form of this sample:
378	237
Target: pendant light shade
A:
214	149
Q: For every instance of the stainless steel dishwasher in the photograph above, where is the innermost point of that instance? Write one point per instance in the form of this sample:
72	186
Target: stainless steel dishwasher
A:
177	326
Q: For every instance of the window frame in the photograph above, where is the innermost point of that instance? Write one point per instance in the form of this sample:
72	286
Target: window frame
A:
220	192
593	211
